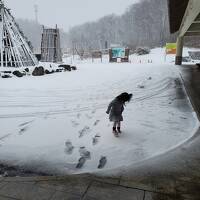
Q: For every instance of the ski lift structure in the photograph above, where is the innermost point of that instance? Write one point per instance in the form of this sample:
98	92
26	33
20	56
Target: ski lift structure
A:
15	49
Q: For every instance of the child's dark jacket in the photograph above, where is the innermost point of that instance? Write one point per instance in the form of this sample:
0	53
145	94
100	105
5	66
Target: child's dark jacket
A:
115	109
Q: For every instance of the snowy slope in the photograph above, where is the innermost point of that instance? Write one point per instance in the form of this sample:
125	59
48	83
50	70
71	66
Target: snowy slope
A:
39	115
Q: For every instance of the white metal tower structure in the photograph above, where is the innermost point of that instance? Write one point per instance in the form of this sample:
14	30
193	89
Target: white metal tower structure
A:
14	48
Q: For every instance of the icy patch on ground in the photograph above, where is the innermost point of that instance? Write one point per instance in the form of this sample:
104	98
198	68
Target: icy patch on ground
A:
57	121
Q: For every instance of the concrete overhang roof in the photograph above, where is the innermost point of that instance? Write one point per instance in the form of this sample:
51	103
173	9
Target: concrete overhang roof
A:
177	10
184	16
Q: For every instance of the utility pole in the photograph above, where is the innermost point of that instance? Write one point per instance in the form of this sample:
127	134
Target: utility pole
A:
36	12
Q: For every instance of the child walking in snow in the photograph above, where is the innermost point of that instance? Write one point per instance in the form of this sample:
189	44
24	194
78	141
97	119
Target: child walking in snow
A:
115	109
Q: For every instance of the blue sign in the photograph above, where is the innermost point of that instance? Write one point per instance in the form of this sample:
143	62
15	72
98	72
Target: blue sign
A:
118	52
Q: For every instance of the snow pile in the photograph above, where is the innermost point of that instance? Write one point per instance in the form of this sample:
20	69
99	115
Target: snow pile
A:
42	69
58	123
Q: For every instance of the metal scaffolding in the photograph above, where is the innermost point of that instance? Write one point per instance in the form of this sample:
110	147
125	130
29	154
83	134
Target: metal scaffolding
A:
50	46
14	48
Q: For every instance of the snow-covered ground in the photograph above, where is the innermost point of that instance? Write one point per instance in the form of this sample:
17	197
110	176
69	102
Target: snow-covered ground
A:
41	118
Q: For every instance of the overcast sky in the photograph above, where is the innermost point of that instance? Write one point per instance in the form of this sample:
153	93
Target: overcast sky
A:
67	13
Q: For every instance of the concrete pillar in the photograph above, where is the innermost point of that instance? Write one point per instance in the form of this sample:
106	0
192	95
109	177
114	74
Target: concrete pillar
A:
179	51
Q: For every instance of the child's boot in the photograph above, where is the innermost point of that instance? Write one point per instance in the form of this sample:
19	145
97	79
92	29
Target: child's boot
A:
119	130
114	130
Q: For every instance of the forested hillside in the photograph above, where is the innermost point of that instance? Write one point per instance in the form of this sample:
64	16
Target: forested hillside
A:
142	24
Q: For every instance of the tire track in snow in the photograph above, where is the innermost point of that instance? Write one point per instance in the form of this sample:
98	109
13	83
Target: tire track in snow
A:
164	85
5	136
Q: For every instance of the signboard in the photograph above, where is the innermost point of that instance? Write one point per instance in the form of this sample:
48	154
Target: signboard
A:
118	52
171	48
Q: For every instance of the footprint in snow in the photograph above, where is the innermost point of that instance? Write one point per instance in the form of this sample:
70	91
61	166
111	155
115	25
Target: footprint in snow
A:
84	153
84	131
102	162
141	86
78	115
74	123
88	116
183	117
95	139
150	78
69	147
81	162
96	122
94	111
23	130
